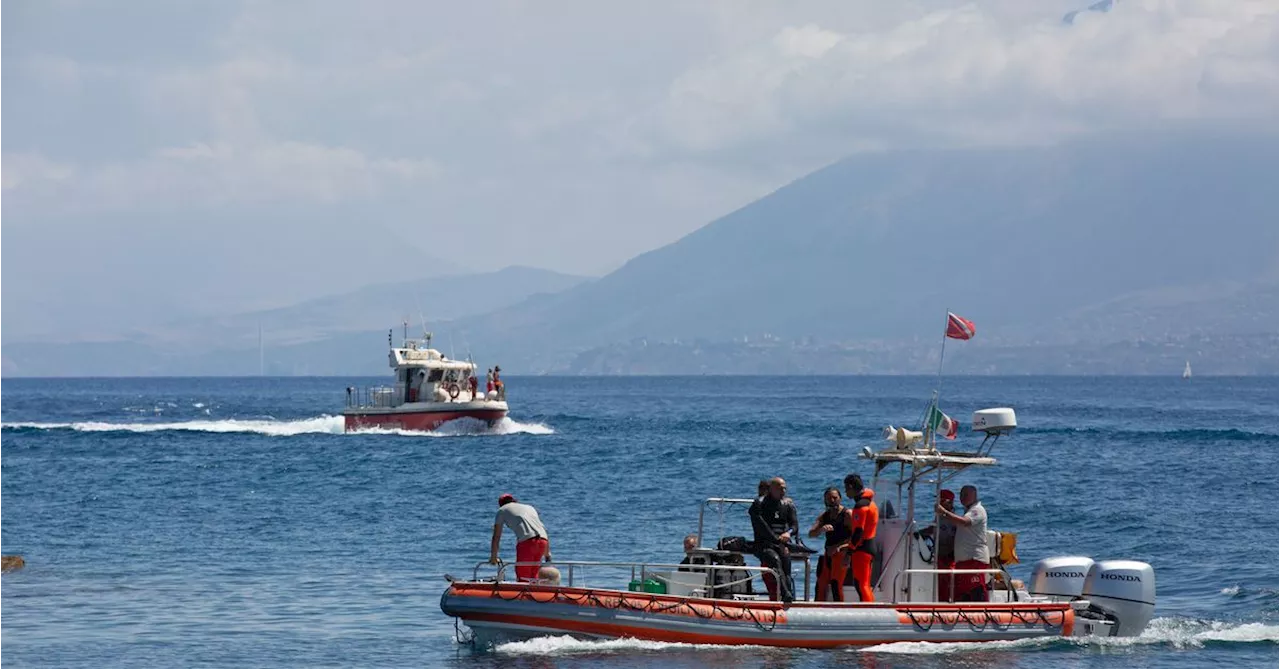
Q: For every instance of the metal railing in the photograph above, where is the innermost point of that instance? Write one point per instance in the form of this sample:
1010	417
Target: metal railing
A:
722	502
642	570
1008	582
388	397
377	397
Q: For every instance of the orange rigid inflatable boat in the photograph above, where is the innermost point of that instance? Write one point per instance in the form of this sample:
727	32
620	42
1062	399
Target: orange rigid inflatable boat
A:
712	599
499	611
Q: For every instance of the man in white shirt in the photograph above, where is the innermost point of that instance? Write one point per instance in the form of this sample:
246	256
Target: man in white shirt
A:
971	545
532	544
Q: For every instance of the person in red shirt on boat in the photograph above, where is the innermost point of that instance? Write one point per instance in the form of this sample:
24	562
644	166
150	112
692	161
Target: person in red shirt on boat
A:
971	545
866	517
836	522
532	544
944	537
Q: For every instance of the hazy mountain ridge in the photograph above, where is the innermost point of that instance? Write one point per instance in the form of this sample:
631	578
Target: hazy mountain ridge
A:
440	298
1091	250
229	345
877	246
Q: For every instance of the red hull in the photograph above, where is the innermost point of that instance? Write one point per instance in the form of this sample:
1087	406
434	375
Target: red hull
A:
424	421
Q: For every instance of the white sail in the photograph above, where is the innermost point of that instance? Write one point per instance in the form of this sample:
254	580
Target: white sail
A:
1186	372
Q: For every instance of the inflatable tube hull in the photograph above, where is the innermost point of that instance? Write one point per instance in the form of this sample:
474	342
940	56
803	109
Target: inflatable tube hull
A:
511	610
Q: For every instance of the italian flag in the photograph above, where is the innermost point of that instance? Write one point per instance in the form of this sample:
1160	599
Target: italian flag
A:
942	424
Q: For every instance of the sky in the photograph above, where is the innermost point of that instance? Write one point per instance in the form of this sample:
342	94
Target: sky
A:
164	159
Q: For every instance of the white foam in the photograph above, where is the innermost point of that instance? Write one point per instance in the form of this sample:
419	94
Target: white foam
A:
567	645
948	647
1231	591
325	424
1177	632
469	427
1184	633
276	428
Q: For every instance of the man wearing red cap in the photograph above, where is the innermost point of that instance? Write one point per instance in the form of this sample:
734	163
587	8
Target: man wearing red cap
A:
532	545
971	545
945	548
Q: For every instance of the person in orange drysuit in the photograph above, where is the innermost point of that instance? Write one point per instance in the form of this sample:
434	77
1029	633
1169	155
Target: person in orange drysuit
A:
866	516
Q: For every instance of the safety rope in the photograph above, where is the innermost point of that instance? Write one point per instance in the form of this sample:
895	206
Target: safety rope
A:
464	638
647	605
981	619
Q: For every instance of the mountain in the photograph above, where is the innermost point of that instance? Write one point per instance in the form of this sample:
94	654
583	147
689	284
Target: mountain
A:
299	338
66	277
877	246
433	299
1092	249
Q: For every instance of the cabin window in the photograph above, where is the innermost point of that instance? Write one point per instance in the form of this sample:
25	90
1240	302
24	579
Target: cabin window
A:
436	375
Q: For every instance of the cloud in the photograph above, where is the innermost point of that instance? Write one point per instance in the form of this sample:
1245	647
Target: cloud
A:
33	171
213	174
955	73
621	126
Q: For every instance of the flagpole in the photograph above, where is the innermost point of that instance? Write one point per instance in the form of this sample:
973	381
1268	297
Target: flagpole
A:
931	436
946	320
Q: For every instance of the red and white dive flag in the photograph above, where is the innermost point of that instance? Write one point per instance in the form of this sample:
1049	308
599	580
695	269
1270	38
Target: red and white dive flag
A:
959	328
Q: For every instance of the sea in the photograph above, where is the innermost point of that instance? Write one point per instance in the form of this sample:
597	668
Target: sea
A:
229	522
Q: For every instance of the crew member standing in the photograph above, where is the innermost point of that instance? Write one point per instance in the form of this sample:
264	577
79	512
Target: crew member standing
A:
773	519
944	548
532	544
836	523
971	545
866	516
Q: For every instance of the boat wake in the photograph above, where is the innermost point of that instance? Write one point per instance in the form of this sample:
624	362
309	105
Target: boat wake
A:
325	424
466	427
1179	633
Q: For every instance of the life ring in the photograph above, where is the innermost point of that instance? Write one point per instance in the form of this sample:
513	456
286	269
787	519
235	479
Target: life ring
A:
453	391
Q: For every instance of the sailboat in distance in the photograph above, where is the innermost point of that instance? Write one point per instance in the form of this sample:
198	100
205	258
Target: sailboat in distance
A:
1186	372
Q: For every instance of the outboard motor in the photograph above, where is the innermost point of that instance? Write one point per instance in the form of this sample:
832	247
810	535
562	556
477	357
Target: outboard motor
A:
1061	579
1123	592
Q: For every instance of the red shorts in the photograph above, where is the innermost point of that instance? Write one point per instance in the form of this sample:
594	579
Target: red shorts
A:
944	580
530	550
971	587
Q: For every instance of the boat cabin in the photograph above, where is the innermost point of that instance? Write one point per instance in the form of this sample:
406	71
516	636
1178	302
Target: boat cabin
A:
424	375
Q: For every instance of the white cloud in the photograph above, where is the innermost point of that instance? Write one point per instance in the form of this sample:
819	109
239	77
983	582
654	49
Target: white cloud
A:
620	126
956	70
217	173
33	171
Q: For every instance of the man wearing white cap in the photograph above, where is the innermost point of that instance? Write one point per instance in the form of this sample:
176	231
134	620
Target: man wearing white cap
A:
532	544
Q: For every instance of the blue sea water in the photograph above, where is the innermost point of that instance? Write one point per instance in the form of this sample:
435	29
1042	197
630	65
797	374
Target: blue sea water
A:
230	522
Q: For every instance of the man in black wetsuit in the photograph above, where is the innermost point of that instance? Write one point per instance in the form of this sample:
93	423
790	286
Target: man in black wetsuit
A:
836	522
774	522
